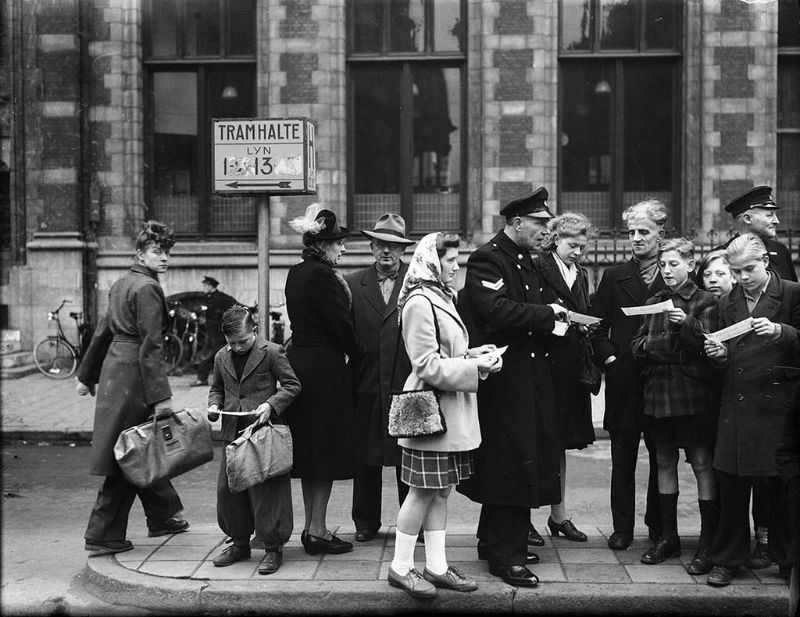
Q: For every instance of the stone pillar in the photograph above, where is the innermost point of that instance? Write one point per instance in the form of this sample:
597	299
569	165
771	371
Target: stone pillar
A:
519	61
740	110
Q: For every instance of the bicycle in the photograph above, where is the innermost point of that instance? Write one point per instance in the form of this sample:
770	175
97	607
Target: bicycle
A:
55	356
172	348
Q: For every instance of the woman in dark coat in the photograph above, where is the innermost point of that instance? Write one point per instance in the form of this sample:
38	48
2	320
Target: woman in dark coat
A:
566	283
323	345
124	358
680	398
757	391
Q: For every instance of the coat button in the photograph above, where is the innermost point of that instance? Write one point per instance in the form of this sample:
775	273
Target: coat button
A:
740	397
519	256
519	267
533	355
527	287
530	332
740	371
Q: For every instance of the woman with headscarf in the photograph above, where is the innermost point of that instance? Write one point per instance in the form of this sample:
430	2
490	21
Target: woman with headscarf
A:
438	347
322	417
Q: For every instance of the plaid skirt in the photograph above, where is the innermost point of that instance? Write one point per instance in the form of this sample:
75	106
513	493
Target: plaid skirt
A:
424	469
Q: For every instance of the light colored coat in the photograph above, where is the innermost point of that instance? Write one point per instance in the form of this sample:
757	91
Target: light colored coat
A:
444	368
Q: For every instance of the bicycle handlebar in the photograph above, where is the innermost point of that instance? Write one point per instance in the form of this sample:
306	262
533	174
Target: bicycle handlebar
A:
60	306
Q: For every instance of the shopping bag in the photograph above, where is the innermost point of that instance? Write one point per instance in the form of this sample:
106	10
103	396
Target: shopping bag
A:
261	452
164	447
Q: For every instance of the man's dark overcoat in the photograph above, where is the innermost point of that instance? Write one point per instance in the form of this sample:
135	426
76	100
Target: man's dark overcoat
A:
377	327
573	400
517	463
127	345
620	286
758	382
322	417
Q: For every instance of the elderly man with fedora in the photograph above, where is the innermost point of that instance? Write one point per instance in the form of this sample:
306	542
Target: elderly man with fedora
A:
374	290
517	465
217	303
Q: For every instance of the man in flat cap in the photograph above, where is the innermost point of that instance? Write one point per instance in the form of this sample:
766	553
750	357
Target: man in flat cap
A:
517	463
217	303
375	290
756	212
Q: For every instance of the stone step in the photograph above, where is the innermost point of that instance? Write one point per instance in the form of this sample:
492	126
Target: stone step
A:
18	371
16	358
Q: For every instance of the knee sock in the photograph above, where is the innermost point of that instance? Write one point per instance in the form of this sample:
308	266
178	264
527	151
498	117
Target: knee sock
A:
709	515
668	504
435	558
404	544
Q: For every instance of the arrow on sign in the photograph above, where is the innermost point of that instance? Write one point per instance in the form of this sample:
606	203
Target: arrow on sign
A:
282	185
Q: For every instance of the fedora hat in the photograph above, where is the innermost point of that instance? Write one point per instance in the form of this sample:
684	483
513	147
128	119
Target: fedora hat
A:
389	227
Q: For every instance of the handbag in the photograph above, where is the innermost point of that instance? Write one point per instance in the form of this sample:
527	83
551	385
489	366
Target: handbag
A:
416	413
164	447
590	373
261	452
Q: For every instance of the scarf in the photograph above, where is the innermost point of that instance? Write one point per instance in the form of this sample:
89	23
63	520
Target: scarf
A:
648	269
424	270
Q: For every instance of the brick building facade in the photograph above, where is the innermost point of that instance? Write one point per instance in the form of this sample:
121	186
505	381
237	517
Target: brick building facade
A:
442	110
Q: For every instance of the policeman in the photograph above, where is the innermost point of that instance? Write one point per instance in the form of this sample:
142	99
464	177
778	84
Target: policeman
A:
517	463
217	303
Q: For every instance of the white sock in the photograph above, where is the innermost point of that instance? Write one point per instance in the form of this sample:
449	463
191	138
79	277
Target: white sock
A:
435	558
404	544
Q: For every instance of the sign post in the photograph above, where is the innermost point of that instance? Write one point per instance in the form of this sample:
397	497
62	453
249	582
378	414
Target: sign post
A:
263	157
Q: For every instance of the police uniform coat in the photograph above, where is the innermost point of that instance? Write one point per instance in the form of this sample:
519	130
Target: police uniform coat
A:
517	463
758	382
620	286
322	350
376	326
567	354
124	358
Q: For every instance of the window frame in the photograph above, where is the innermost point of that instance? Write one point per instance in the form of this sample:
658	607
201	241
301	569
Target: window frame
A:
791	52
405	60
616	57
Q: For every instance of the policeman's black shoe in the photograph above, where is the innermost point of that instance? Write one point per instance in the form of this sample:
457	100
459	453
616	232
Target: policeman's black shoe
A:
530	557
534	538
662	550
518	576
619	541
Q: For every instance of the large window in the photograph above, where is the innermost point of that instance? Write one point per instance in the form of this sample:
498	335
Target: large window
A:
200	59
788	189
406	63
619	93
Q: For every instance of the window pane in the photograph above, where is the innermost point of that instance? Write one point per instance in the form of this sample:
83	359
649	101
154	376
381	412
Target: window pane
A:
367	16
377	140
576	24
407	28
174	197
241	40
788	193
789	23
586	138
789	92
448	26
202	28
437	149
661	20
618	24
648	127
163	29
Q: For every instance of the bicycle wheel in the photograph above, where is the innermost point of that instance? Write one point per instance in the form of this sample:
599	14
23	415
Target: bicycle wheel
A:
171	350
55	358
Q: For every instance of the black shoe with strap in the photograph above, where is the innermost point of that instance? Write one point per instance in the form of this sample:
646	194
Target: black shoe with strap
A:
567	529
316	545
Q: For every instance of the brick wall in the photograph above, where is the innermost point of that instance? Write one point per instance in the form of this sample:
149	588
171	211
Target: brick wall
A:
739	104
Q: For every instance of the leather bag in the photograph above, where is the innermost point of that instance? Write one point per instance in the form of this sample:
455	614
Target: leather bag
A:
164	447
261	452
416	413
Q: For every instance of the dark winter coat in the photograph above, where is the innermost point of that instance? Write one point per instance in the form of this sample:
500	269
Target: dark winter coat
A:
567	354
323	348
216	304
620	286
677	377
758	381
787	457
267	377
517	462
376	326
127	345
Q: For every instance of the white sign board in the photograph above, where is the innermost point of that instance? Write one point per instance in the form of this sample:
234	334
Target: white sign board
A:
257	155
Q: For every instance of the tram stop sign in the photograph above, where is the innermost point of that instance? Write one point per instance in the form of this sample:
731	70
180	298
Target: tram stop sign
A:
266	155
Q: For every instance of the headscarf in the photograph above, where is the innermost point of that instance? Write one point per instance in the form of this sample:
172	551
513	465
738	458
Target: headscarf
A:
424	270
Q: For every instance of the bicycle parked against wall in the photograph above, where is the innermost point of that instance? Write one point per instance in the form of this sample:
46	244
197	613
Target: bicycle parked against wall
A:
172	349
56	356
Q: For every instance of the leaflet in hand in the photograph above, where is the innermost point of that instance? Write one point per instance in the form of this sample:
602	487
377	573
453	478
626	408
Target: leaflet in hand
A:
648	309
560	328
737	329
499	351
586	320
